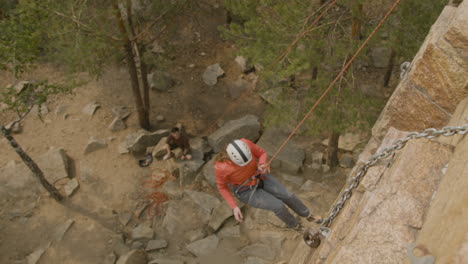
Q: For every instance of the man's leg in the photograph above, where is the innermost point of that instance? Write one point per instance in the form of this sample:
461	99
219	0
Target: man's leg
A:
277	189
168	150
264	200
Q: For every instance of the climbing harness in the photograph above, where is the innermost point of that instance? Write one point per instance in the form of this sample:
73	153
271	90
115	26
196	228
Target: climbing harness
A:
311	237
259	177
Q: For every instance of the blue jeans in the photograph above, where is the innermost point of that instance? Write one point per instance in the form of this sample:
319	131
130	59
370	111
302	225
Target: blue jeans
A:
273	196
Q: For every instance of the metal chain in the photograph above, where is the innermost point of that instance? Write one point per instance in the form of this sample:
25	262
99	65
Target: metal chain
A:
429	133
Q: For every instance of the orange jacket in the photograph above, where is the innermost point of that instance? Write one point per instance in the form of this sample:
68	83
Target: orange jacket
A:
228	172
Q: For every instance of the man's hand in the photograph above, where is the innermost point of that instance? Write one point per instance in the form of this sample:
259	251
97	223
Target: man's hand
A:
238	214
263	168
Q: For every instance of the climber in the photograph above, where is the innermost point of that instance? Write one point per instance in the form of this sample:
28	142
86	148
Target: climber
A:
177	139
241	167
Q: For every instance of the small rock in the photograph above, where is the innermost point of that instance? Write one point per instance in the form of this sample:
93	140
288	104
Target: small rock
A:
137	245
160	81
15	128
117	125
123	148
91	108
242	62
202	54
191	65
325	168
20	86
230	231
160	118
211	74
94	144
317	157
156	244
124	218
121	112
157	48
61	109
133	257
204	247
142	231
71	187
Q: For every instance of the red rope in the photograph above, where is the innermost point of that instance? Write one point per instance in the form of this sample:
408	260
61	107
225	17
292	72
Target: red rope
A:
334	81
283	54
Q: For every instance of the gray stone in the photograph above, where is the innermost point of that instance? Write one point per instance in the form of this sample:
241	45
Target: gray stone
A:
258	250
179	216
208	172
219	215
91	108
61	109
317	158
237	88
204	247
123	148
160	81
55	164
142	231
253	260
198	147
156	244
121	112
117	125
230	231
380	56
165	261
156	48
124	218
206	201
347	161
290	159
172	189
243	65
211	74
246	127
42	110
188	170
145	140
94	144
195	235
70	187
272	95
137	245
20	86
133	257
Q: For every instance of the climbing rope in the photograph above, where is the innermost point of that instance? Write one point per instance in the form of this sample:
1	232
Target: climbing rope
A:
313	238
335	80
277	60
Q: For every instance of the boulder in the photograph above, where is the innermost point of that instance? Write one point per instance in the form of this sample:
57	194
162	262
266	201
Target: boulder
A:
347	161
211	74
245	127
204	246
290	159
230	231
156	244
380	56
347	141
70	187
258	250
142	231
121	112
117	125
219	215
238	87
91	108
55	164
147	139
206	201
208	172
198	147
133	257
94	144
188	170
160	149
160	81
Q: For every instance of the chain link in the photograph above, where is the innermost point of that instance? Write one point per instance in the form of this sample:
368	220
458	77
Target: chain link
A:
429	133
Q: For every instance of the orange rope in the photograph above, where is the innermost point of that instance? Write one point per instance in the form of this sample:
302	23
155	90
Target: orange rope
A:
283	54
334	81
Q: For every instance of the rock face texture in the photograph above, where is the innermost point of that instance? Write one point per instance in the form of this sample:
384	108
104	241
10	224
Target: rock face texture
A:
417	197
436	82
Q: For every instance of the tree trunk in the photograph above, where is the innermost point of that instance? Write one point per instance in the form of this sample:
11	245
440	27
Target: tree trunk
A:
332	152
31	165
388	74
143	113
356	11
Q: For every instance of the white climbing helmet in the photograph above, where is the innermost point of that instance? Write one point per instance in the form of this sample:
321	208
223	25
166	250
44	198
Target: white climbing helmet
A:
239	152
